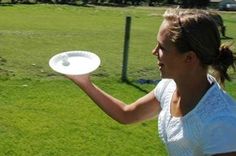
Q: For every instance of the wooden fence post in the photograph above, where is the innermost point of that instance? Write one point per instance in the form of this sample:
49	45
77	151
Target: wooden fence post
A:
126	49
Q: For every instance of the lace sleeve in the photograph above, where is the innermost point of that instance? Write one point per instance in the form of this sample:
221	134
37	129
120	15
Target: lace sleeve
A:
160	89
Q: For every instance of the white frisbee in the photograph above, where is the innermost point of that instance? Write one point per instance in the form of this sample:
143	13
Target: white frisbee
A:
75	62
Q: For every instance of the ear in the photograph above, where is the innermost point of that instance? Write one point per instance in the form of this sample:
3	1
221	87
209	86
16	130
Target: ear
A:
190	57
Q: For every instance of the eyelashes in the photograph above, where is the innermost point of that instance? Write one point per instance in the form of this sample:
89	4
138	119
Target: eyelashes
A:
159	46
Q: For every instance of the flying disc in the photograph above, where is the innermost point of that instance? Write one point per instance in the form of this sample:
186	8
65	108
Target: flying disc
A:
75	62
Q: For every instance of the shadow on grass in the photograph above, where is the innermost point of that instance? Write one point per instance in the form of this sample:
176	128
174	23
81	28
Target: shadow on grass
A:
226	38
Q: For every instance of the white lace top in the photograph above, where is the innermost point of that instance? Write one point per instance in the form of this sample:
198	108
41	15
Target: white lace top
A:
208	129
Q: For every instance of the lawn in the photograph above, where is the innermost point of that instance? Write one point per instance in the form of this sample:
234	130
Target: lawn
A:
42	113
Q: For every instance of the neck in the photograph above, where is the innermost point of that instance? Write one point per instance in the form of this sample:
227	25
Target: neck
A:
193	86
189	92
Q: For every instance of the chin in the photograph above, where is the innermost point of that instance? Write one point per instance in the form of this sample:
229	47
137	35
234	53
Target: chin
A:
165	76
162	76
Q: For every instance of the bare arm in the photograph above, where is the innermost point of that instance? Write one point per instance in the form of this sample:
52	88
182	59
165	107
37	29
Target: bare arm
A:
144	108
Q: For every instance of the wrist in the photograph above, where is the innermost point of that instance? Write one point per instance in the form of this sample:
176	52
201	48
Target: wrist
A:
81	80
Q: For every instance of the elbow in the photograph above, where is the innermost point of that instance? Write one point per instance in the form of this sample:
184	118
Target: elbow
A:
124	122
126	116
126	119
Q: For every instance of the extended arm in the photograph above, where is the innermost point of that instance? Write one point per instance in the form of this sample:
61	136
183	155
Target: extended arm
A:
144	108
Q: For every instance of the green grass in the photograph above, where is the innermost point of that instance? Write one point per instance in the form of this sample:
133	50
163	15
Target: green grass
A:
56	118
41	31
42	113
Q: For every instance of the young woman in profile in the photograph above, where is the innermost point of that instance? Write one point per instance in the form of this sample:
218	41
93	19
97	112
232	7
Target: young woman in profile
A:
195	116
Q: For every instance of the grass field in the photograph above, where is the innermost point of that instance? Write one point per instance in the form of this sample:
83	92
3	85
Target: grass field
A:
42	113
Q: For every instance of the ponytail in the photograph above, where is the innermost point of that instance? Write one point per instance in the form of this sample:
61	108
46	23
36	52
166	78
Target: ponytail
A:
225	59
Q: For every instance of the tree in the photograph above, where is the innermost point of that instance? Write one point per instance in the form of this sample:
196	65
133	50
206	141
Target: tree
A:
194	3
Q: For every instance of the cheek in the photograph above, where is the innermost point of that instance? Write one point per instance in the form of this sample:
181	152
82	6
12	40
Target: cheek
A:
160	54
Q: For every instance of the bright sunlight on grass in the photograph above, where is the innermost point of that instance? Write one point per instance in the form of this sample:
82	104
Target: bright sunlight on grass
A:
42	113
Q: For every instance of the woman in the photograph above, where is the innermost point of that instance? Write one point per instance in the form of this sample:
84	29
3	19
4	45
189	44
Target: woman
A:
196	117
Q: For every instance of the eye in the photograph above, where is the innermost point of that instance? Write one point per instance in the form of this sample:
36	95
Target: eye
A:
160	47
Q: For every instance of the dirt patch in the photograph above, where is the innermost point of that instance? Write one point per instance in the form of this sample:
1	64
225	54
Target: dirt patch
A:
5	73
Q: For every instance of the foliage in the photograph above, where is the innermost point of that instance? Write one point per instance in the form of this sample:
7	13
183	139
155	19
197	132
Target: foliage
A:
194	3
183	3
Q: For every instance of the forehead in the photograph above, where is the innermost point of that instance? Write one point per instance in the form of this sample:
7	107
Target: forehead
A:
165	37
164	33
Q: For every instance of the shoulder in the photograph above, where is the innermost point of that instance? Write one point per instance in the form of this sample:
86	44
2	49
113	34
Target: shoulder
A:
217	113
219	135
215	102
164	89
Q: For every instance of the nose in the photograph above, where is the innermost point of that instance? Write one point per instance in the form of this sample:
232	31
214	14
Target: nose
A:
155	51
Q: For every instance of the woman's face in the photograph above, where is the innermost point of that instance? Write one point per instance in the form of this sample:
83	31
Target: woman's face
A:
170	61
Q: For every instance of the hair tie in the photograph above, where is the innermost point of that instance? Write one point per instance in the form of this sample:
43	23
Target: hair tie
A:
225	58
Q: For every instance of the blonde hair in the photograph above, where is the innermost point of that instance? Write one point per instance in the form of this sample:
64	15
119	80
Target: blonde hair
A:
195	30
